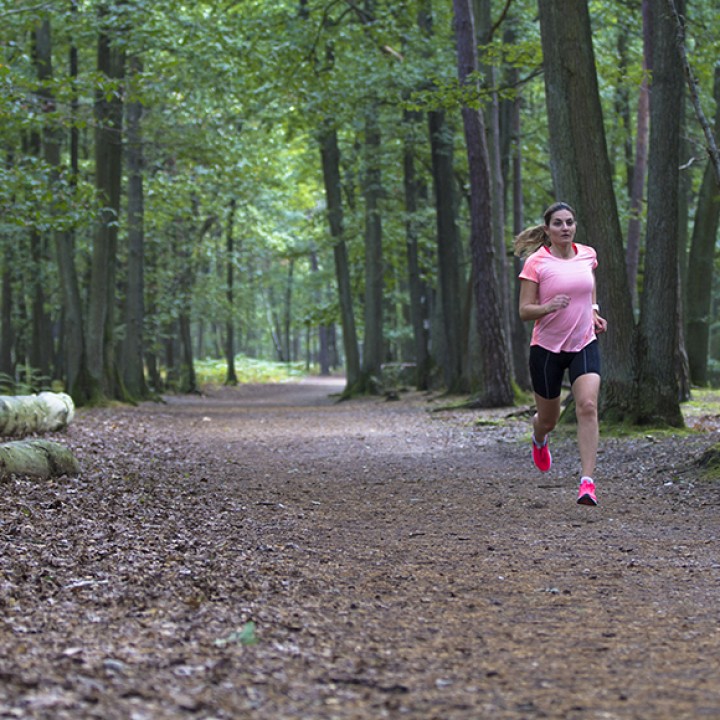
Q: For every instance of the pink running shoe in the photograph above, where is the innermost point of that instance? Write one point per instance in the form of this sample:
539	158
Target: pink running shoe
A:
586	493
541	455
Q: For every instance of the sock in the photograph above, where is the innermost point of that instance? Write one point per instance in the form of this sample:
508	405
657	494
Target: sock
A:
588	478
537	444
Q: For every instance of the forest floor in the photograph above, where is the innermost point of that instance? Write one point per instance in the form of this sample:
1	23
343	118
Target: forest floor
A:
269	552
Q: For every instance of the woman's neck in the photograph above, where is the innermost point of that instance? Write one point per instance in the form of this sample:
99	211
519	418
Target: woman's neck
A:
564	252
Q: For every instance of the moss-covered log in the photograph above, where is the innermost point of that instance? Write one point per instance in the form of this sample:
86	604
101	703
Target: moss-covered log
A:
36	458
25	414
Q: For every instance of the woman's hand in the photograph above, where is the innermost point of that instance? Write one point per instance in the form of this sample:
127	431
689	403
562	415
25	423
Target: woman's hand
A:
600	323
559	302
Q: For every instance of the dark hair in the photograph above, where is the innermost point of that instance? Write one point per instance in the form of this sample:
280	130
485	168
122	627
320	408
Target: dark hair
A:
530	239
547	215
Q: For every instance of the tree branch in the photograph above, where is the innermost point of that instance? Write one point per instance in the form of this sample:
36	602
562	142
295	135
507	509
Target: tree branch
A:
500	20
712	148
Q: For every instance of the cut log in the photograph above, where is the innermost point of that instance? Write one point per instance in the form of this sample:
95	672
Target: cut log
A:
41	459
25	414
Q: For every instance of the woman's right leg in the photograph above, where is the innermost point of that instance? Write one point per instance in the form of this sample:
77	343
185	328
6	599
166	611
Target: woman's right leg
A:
546	417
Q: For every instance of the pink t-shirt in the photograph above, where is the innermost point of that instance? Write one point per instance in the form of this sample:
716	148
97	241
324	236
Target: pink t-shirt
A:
572	328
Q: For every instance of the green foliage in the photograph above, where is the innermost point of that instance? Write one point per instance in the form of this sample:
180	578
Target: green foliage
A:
248	370
27	382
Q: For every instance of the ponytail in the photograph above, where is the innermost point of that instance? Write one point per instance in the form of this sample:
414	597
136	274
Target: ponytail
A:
530	240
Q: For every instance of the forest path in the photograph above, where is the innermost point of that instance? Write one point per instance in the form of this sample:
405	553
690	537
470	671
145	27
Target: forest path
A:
395	562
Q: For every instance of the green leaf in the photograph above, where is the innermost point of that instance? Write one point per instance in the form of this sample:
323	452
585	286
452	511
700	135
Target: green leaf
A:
243	636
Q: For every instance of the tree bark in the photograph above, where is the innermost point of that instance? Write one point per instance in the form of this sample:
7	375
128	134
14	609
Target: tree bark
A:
632	253
417	287
701	263
515	166
323	357
7	365
658	400
41	337
330	156
492	115
75	359
26	414
448	250
497	387
373	344
231	377
40	459
132	365
108	169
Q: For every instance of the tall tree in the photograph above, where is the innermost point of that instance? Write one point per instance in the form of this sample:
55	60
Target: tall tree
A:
447	339
701	263
482	13
40	355
132	355
373	344
108	170
515	174
231	378
330	156
77	381
637	185
7	363
658	398
373	341
582	177
496	361
418	288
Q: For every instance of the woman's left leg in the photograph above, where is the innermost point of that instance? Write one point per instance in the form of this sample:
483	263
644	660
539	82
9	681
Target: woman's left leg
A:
586	390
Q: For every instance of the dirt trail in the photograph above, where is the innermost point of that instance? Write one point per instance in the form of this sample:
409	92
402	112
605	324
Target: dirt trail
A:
395	562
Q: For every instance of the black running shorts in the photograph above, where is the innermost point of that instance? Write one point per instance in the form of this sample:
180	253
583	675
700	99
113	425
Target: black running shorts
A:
548	368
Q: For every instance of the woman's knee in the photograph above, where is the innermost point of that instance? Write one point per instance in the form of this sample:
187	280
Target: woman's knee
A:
546	419
586	407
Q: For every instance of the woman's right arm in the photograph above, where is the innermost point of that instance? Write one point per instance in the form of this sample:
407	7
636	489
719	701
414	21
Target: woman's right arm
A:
529	307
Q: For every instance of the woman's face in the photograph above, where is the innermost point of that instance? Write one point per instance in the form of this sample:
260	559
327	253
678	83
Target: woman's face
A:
561	229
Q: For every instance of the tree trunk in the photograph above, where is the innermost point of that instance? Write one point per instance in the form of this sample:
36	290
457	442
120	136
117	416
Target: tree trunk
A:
287	311
622	107
26	414
72	344
448	245
417	287
330	155
7	366
75	359
519	334
187	379
497	387
632	254
108	169
231	377
41	340
373	344
701	263
658	400
40	459
582	177
323	356
483	32
132	365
